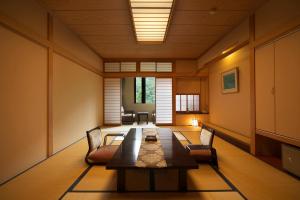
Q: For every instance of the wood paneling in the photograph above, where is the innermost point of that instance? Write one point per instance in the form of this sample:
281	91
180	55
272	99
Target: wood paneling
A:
287	85
28	13
264	87
275	15
23	103
106	26
76	101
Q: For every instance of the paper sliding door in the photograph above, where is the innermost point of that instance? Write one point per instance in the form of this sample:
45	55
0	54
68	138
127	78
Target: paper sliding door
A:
112	101
164	105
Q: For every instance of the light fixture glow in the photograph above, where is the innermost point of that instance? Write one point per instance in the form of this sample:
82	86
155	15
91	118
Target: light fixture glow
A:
150	19
195	122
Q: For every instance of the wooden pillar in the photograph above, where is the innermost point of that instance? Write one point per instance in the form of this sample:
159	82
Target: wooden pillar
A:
49	87
252	81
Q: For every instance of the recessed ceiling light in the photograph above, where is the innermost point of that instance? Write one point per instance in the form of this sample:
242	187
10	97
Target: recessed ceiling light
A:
151	19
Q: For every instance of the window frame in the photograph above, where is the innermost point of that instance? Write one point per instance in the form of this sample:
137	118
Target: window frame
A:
187	111
143	81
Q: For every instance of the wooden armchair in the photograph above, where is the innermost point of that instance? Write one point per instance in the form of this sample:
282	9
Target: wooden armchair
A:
97	153
128	116
204	152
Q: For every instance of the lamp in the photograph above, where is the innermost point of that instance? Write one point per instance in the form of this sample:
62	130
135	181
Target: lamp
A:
195	122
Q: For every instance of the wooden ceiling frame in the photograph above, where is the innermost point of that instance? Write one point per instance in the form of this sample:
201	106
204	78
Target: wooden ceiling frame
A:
185	20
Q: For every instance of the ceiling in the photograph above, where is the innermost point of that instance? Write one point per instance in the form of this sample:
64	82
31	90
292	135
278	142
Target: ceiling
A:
106	26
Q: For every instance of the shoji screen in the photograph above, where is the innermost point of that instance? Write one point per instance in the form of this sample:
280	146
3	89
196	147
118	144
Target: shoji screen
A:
112	101
164	107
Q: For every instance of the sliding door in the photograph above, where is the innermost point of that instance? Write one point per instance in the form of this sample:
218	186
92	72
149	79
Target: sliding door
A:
112	101
164	103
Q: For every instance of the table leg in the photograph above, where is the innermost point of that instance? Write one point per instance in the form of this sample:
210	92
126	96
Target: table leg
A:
121	180
182	180
152	180
147	118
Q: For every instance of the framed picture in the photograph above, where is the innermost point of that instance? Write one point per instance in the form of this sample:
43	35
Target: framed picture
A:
230	81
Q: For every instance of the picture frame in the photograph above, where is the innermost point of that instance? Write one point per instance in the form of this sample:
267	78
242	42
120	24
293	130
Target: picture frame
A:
230	81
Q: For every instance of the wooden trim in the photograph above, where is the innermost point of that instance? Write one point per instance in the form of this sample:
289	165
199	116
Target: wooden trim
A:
136	74
103	101
138	67
169	20
50	88
63	52
174	90
24	31
232	50
131	20
220	132
268	37
144	59
278	137
252	82
152	74
143	90
189	112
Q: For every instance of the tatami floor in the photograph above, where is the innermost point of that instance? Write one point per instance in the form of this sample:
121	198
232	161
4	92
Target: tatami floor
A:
240	176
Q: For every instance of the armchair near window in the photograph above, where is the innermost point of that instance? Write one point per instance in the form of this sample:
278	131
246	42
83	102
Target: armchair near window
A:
97	153
128	116
204	152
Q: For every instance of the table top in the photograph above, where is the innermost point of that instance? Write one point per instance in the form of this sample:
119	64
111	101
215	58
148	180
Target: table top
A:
175	154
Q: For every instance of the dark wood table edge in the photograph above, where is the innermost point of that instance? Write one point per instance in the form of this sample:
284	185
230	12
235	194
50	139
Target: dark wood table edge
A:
182	177
182	174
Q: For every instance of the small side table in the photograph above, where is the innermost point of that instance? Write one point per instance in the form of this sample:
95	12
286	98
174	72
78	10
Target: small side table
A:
139	114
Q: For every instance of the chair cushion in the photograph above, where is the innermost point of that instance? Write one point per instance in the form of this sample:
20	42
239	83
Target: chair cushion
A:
205	137
128	115
103	154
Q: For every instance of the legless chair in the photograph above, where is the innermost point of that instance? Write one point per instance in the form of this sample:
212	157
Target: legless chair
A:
97	153
128	116
204	152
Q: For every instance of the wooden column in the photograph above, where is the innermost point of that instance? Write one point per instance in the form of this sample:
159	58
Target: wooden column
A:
252	81
49	87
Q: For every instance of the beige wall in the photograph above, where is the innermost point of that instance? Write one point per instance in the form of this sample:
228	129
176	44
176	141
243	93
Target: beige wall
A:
77	100
23	103
231	111
128	98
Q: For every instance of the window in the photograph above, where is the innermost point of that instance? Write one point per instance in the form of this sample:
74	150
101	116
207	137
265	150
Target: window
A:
144	90
156	66
187	103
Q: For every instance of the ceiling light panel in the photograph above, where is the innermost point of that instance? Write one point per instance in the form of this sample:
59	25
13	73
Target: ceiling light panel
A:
150	19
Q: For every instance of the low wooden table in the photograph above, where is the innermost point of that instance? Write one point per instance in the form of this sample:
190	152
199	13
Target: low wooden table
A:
139	114
174	153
